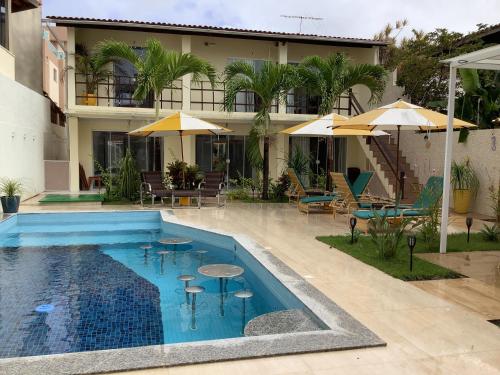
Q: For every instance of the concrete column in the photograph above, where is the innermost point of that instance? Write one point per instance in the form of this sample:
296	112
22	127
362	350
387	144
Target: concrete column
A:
74	170
281	145
282	59
71	68
186	80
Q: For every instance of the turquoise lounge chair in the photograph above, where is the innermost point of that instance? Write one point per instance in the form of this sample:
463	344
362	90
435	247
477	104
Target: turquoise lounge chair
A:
428	197
325	201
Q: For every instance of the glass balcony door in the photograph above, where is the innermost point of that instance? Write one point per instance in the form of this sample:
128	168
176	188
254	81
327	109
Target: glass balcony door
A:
110	147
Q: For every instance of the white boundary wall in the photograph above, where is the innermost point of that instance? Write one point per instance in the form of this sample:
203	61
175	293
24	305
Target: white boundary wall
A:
24	126
427	158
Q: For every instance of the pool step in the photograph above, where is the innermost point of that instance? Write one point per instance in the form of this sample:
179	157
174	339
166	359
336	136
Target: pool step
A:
277	322
78	238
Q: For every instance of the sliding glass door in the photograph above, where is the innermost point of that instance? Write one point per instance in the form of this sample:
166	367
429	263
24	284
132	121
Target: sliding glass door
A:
212	153
109	148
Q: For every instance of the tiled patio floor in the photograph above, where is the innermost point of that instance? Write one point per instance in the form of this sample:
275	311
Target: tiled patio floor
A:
425	334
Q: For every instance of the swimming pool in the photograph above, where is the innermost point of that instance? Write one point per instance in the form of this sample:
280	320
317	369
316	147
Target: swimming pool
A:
84	282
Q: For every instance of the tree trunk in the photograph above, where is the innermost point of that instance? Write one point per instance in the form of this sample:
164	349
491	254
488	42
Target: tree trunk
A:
157	106
265	169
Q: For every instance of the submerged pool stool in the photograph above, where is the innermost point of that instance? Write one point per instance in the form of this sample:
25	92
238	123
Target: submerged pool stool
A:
162	255
223	272
194	290
186	279
175	241
243	295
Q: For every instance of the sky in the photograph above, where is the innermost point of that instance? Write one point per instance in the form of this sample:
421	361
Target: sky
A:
346	18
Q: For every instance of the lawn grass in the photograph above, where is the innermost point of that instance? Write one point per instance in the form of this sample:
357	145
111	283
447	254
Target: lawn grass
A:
457	242
398	267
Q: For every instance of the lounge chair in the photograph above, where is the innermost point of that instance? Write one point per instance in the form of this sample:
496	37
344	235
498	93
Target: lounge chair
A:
297	189
212	185
354	196
344	194
428	197
152	184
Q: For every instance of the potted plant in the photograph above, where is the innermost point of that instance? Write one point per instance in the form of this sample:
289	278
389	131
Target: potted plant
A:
10	190
94	71
465	184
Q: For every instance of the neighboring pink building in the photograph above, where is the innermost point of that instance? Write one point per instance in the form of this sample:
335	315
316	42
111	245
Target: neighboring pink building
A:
54	58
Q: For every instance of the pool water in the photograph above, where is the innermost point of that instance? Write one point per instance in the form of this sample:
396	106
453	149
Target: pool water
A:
95	288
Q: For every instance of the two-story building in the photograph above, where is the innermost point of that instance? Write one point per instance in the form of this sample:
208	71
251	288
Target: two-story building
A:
99	131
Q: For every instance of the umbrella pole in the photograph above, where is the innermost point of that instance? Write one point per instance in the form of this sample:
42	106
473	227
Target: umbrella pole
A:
397	165
182	158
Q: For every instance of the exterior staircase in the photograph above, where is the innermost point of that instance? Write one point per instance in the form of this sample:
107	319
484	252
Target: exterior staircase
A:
384	151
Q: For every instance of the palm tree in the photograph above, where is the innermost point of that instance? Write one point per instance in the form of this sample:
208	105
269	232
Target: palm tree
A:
157	68
268	84
330	77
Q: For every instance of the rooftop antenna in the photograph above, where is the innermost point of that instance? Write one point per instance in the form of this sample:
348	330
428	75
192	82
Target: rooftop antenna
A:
301	18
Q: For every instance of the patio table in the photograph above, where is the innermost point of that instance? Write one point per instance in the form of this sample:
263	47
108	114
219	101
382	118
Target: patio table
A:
223	272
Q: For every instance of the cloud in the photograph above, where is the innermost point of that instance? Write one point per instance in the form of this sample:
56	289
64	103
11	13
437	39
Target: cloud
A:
355	18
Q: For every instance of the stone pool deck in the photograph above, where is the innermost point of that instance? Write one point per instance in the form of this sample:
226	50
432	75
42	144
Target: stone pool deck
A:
425	334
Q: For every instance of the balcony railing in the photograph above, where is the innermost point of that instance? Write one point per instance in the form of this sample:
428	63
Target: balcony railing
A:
204	97
118	90
299	102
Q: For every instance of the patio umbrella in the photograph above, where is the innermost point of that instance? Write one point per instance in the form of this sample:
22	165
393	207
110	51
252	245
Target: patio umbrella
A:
179	124
402	115
328	126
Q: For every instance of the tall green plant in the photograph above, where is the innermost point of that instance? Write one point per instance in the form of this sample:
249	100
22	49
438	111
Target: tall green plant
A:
268	84
463	176
128	177
157	68
332	76
299	161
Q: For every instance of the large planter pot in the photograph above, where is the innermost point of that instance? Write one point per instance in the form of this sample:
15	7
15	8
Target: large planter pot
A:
462	199
90	99
10	205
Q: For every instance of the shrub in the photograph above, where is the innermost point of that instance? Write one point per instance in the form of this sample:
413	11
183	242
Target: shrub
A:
429	225
108	180
279	188
491	233
183	175
386	234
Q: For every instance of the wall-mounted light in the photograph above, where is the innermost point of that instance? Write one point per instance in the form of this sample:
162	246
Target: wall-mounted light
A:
209	44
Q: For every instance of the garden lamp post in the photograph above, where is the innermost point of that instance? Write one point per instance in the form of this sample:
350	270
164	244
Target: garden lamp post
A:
412	241
468	222
352	223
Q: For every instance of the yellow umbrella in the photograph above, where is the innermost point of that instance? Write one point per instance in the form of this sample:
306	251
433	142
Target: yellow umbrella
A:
402	115
179	124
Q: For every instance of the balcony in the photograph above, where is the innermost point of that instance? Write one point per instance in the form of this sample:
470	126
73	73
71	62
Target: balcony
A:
118	90
204	97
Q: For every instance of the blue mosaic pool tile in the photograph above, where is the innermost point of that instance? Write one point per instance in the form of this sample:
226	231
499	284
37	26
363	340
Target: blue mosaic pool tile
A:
98	302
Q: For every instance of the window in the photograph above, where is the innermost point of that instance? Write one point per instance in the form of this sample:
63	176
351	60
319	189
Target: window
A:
247	101
54	74
3	23
124	74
